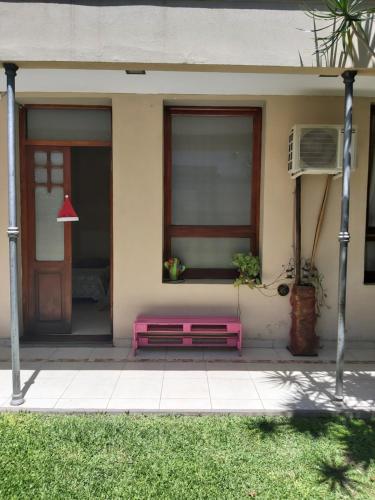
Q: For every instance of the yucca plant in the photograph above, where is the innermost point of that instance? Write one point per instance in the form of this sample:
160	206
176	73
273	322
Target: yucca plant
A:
347	20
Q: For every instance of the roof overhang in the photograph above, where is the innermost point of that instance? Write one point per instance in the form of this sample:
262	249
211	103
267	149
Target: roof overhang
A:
111	81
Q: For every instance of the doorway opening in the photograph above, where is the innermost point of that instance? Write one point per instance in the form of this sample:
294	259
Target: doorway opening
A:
66	266
91	240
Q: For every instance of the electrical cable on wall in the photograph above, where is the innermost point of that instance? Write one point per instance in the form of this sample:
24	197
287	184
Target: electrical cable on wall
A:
268	289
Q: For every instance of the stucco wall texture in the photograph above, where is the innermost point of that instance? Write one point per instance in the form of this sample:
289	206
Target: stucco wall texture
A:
138	220
225	33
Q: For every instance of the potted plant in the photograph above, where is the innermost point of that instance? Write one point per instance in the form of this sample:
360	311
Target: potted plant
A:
248	267
175	268
303	339
307	296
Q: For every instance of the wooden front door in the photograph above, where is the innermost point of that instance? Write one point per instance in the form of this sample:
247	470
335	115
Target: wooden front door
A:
47	243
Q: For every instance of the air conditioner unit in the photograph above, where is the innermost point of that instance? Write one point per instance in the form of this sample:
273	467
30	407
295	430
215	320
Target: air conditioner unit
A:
318	149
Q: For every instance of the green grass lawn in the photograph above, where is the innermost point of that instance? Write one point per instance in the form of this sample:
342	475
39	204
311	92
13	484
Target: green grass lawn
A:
213	457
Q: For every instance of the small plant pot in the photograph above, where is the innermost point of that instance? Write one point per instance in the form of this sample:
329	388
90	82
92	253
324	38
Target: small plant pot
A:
175	269
303	339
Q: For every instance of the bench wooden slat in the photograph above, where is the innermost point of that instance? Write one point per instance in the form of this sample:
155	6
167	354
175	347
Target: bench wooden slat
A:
187	331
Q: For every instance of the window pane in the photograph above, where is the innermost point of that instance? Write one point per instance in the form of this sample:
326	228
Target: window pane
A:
40	158
69	124
211	169
49	234
209	252
370	256
40	175
57	158
57	175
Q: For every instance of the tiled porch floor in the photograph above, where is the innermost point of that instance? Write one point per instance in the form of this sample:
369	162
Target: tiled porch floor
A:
260	381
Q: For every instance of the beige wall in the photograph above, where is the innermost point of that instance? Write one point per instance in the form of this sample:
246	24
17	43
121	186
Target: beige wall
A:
4	255
138	220
274	33
138	211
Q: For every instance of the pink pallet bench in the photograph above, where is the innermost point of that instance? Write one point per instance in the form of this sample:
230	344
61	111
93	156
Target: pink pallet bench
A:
187	331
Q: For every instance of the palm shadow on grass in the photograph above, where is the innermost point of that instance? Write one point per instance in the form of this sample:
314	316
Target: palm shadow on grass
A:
355	437
265	427
359	442
338	478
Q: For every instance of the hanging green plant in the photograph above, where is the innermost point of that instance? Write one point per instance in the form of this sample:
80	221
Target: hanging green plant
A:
346	20
311	276
248	267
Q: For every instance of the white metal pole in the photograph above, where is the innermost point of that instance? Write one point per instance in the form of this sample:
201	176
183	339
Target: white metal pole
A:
13	233
344	236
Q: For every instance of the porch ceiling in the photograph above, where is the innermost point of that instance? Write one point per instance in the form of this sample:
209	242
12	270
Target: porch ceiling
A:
179	82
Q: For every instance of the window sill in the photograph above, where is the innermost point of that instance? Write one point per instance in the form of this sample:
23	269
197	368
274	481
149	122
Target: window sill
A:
200	282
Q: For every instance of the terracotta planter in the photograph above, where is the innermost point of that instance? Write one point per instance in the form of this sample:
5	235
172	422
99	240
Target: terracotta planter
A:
303	340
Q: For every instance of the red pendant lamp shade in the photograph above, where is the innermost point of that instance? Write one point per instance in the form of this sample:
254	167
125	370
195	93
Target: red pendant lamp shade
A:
67	212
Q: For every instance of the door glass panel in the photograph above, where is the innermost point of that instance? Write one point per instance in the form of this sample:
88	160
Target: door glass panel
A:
57	175
40	174
211	169
57	158
209	252
69	124
40	158
49	234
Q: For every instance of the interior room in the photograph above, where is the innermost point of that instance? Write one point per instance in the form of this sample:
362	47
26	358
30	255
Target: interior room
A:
91	248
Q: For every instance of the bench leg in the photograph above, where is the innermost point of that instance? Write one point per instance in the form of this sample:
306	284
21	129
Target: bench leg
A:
239	343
